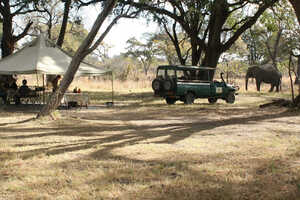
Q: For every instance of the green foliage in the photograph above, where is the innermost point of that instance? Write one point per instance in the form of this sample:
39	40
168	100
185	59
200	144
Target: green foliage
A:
210	24
146	52
270	39
232	69
239	48
75	34
168	51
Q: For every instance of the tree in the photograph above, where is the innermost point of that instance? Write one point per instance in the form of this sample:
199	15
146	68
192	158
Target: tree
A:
1	29
207	22
64	22
165	43
296	7
269	40
179	40
8	10
254	45
49	16
144	52
85	48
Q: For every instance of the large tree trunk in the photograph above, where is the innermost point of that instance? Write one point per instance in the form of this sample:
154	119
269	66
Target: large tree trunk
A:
64	24
297	81
195	51
8	39
175	41
296	6
82	51
60	40
7	42
297	72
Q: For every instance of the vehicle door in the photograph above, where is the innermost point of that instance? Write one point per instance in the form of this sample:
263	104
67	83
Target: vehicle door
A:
203	84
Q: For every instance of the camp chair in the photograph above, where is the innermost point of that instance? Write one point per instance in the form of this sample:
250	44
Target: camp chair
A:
32	96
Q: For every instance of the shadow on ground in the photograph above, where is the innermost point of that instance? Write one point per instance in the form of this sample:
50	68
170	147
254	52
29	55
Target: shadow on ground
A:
113	128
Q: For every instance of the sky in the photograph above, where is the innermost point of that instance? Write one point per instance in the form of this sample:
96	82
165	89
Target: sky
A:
121	32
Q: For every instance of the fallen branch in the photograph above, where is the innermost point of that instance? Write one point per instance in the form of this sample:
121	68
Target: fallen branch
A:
278	102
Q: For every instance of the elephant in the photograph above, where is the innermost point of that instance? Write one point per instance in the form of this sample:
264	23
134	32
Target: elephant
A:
265	73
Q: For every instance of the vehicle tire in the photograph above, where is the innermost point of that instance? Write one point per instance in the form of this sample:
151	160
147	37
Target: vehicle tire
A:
168	84
230	98
156	84
189	98
212	100
170	101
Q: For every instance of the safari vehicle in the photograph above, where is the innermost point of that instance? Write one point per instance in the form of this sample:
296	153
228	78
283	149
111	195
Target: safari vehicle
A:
186	83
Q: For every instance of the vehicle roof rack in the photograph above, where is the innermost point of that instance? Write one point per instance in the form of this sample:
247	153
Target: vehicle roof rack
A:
186	67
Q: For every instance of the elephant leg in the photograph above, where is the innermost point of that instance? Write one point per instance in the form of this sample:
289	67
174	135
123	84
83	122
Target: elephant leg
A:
272	88
258	85
277	88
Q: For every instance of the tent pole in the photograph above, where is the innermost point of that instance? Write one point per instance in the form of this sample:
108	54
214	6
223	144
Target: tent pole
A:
37	79
112	87
44	88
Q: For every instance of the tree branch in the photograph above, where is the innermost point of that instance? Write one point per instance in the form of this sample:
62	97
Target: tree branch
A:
24	33
248	24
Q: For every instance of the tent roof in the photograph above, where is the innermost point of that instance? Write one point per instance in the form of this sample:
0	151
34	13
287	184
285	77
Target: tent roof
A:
44	57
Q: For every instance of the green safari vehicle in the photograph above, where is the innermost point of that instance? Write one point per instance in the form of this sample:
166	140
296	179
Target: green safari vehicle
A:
186	83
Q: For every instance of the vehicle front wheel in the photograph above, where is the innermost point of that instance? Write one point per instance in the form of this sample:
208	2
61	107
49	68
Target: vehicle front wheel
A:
230	98
170	101
212	100
189	98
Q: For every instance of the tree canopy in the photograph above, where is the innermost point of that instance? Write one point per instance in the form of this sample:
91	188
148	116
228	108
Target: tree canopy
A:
212	26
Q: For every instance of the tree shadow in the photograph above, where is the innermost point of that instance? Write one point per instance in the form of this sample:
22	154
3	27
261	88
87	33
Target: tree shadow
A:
117	131
126	133
189	178
18	122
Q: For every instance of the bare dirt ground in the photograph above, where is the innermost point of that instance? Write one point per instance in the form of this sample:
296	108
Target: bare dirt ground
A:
144	149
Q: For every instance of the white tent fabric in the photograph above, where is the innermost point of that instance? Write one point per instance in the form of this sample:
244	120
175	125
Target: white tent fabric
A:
42	57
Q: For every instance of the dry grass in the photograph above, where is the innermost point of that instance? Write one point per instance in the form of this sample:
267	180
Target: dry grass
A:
145	149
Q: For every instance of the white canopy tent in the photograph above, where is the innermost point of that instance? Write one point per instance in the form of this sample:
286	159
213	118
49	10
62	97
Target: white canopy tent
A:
42	56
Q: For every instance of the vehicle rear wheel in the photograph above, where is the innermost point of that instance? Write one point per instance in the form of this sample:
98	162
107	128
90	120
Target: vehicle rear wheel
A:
189	98
230	98
212	100
170	101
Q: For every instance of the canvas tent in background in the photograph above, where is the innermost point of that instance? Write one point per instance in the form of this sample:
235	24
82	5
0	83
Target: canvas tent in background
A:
42	56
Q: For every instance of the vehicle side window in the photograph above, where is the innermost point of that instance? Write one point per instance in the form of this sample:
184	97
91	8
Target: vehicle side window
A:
171	73
193	74
161	74
203	75
181	75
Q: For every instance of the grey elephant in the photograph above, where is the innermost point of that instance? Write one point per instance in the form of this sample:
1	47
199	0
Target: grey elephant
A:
265	73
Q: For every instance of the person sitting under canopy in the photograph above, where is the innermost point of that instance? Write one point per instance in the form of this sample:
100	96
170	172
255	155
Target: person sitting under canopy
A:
24	90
